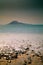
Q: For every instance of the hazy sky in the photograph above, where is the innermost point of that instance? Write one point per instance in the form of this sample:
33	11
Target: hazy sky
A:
29	11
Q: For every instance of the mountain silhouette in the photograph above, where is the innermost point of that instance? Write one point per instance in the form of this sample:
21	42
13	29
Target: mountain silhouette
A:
15	22
21	23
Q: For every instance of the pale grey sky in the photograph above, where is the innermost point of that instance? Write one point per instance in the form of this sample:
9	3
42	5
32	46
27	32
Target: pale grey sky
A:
22	16
29	11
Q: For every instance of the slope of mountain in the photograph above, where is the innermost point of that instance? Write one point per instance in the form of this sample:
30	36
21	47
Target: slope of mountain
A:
15	22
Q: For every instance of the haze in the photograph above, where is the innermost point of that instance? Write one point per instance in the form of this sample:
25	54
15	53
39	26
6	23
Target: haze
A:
27	11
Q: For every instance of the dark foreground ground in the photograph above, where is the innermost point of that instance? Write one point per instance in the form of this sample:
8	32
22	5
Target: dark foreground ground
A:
23	59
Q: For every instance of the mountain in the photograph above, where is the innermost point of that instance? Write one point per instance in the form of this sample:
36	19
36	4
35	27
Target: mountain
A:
15	22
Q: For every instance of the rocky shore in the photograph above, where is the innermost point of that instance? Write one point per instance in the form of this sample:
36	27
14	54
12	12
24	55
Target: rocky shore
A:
25	57
27	50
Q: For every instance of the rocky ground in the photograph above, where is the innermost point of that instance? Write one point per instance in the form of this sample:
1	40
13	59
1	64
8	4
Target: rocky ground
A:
31	50
26	58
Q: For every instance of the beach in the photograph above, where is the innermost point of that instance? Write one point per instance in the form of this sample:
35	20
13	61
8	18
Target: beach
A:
26	45
17	40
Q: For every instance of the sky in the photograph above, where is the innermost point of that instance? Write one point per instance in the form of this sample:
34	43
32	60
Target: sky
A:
27	11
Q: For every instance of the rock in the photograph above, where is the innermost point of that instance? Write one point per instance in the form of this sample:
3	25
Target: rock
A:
27	48
32	53
14	56
25	62
9	61
41	58
0	56
38	54
28	52
29	60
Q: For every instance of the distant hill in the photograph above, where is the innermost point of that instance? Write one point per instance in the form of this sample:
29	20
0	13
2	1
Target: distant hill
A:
15	22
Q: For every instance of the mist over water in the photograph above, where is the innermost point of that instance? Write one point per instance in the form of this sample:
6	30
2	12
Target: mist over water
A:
21	28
